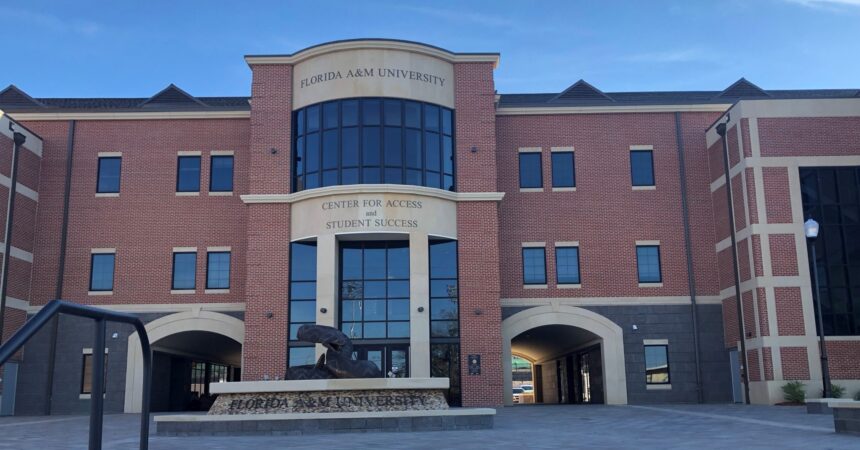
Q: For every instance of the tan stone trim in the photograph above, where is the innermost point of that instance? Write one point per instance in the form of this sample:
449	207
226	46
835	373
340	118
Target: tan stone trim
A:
655	342
641	147
189	153
535	286
540	189
184	249
336	384
188	194
19	188
103	250
562	189
98	293
164	307
529	149
219	249
772	281
543	110
650	285
562	149
17	253
222	153
567	244
658	387
374	189
33	142
842	338
16	303
135	115
107	194
220	193
110	154
645	188
638	243
609	301
411	47
338	415
183	291
89	351
533	244
568	286
216	291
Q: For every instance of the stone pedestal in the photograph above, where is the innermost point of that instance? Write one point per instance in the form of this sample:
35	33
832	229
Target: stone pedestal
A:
846	417
824	405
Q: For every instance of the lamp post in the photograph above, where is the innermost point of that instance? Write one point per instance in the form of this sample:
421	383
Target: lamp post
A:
810	228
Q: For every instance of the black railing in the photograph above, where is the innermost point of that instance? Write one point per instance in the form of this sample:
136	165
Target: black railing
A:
101	316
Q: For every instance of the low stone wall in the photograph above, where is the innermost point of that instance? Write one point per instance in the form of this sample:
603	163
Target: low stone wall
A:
306	424
846	418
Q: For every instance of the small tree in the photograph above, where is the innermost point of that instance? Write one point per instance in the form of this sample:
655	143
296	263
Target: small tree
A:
794	392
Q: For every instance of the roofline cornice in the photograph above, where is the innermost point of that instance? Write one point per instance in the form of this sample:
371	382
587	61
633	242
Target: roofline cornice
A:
381	44
609	109
133	115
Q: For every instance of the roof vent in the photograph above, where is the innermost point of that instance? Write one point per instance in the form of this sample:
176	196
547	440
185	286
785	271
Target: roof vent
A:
12	97
172	96
581	90
742	89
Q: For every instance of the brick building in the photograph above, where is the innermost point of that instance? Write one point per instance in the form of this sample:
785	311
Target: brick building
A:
386	189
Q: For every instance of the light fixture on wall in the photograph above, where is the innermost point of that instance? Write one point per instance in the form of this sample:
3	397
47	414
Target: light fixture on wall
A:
635	327
323	310
479	311
273	150
474	149
269	314
420	309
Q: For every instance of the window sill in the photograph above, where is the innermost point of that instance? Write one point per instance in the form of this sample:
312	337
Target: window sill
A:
107	194
658	387
220	194
644	188
99	292
531	189
188	194
217	291
183	291
89	396
534	286
564	189
569	286
650	285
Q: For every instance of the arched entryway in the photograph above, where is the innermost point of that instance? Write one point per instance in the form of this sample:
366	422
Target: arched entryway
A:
563	339
210	338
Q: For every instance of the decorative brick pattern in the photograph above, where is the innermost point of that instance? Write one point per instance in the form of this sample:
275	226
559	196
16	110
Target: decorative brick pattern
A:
842	359
789	311
795	363
777	202
783	255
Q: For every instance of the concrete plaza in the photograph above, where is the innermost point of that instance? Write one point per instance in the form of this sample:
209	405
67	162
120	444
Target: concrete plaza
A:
542	426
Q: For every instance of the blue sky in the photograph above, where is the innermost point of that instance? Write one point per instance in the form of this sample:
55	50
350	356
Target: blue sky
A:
133	49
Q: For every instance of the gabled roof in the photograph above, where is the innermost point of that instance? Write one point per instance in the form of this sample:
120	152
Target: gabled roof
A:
742	88
580	91
16	98
172	95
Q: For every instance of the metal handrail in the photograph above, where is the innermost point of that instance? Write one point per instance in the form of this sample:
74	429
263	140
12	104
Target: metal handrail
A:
101	316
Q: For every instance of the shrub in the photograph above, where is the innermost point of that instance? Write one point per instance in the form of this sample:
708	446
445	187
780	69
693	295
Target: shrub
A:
836	391
794	392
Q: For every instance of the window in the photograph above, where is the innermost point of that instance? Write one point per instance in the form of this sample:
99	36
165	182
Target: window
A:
831	196
218	270
221	178
563	169
303	304
188	174
648	263
101	271
642	167
530	170
567	265
534	265
444	305
184	270
373	140
374	295
657	364
87	374
108	176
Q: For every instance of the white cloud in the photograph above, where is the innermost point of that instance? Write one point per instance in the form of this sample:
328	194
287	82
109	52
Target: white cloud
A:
47	22
826	4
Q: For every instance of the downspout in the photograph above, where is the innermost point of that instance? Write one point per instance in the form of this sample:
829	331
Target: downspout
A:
18	140
688	245
742	335
61	269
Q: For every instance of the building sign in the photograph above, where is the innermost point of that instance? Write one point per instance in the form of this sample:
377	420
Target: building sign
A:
329	401
355	213
373	73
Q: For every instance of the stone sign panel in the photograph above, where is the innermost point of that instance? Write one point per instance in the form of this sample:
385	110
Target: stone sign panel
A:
329	401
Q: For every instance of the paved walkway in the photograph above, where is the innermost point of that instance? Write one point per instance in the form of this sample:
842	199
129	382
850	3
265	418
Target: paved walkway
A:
695	427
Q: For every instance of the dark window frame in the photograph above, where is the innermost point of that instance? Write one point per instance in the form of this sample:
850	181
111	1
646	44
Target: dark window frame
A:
179	159
212	159
668	365
659	264
539	156
362	171
578	265
99	189
523	260
229	268
93	257
572	168
173	273
653	182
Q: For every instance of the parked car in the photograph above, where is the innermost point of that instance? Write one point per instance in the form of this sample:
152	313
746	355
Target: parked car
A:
529	389
518	392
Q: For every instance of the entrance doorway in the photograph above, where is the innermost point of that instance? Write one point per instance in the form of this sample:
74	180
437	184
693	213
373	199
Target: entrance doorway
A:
184	364
577	355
